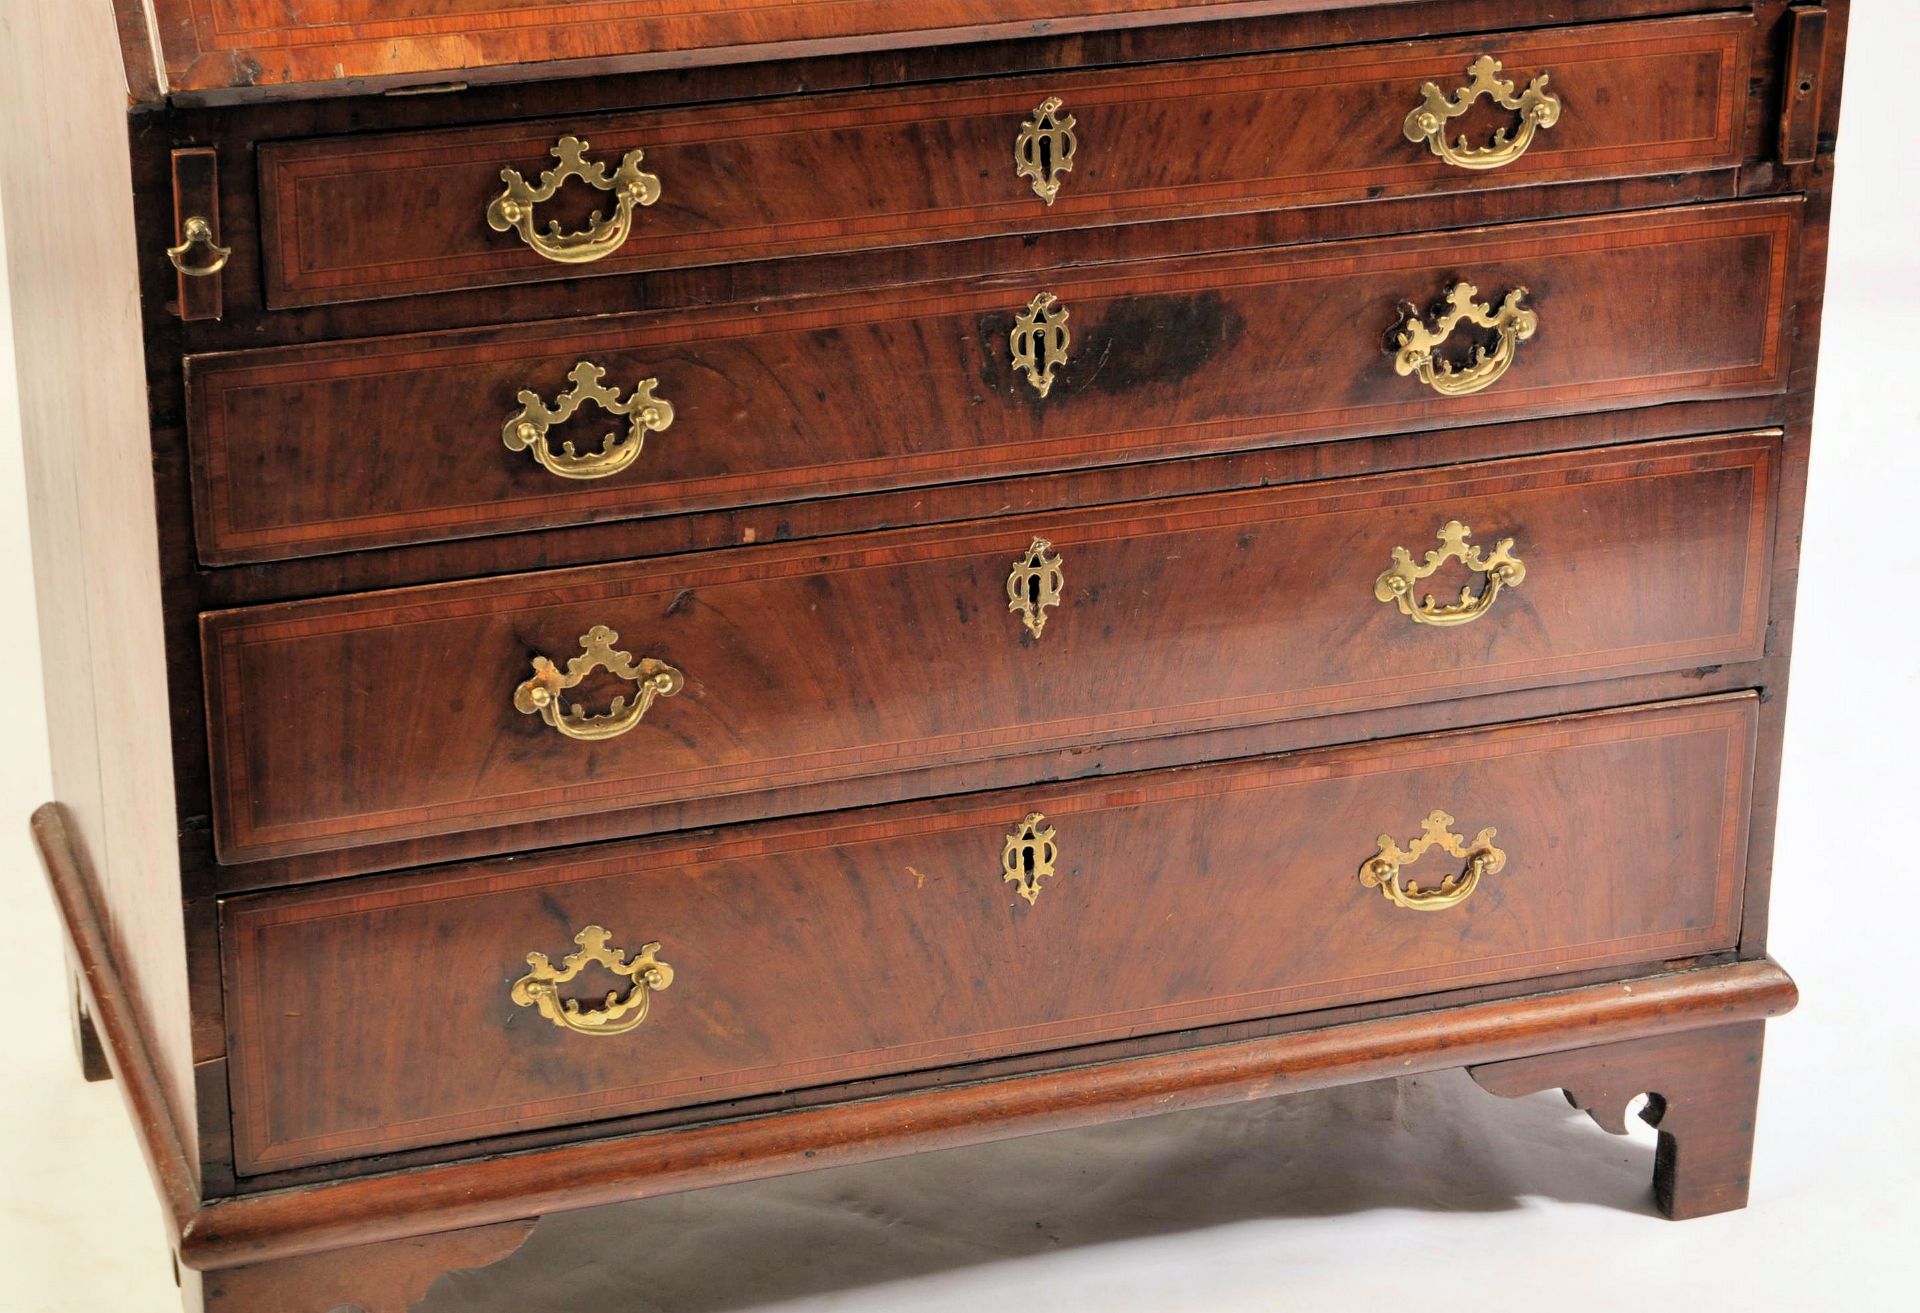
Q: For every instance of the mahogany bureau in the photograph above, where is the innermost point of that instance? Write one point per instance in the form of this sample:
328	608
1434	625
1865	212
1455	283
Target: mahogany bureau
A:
649	594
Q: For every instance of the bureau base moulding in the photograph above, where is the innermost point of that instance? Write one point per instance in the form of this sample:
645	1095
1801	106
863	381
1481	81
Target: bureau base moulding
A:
1688	1038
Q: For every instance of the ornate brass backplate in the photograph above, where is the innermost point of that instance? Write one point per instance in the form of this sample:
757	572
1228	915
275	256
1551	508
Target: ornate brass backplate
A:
512	210
540	987
1045	148
541	694
1034	586
1513	322
1029	856
1501	567
1040	340
1537	110
526	429
1383	870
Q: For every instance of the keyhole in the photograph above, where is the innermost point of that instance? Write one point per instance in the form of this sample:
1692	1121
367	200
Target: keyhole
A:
1026	860
1045	151
1033	590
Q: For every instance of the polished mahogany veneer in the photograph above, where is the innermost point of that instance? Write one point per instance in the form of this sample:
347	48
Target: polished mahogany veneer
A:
221	49
336	446
392	715
1177	899
352	218
1025	569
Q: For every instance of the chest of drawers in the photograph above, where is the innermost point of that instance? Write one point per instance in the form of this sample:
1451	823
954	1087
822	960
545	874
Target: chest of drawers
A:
651	598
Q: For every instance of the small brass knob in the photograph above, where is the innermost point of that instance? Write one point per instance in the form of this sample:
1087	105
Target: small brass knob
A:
198	234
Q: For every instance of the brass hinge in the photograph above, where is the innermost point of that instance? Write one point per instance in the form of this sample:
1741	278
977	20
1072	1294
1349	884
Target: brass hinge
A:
1803	91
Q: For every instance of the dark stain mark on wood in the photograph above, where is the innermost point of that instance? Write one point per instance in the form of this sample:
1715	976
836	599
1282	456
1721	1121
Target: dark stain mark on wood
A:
1151	340
1119	346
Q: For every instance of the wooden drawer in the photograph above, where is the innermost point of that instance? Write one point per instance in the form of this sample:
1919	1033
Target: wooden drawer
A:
389	716
814	951
217	46
367	443
356	218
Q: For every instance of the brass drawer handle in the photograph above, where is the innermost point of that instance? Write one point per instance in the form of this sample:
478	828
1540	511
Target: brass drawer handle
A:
1537	110
512	209
198	232
1397	583
526	429
1514	323
540	987
1383	870
541	695
1045	147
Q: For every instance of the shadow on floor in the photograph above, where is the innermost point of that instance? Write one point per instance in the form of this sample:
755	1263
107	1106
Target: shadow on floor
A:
1434	1143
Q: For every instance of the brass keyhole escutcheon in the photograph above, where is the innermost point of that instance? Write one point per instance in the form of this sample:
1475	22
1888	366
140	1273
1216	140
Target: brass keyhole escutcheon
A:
1040	339
1045	148
1029	855
1034	586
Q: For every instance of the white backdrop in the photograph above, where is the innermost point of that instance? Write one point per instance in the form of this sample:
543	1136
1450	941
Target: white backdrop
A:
1428	1192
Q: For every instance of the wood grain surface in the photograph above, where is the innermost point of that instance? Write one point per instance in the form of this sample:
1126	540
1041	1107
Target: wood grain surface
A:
223	50
76	336
354	218
488	1189
1703	1093
341	446
389	716
840	947
834	585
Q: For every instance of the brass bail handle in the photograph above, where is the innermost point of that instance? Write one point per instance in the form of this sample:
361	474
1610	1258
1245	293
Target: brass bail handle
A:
198	234
1537	109
1399	582
527	428
1419	343
543	694
1385	870
630	186
617	1014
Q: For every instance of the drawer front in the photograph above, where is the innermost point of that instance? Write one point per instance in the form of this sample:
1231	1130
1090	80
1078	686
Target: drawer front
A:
370	443
346	219
213	45
810	952
415	712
